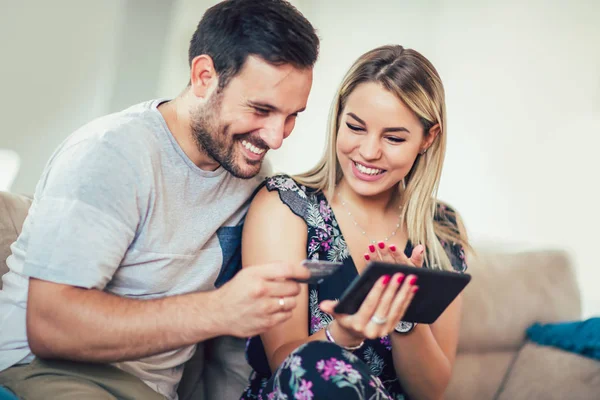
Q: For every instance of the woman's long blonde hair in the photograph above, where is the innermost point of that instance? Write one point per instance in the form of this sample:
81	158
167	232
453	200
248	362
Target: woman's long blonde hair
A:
415	81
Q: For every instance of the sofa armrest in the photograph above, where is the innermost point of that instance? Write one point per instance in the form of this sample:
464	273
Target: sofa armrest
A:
13	211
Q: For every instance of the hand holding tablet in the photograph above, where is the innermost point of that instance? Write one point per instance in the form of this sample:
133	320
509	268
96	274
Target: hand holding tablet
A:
437	289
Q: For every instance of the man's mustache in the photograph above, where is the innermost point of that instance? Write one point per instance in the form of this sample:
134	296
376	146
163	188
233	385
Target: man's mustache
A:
252	139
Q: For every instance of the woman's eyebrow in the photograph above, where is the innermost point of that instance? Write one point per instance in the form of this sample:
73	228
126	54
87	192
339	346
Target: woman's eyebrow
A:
389	129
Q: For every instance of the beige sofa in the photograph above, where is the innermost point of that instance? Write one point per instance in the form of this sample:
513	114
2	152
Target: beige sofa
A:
508	293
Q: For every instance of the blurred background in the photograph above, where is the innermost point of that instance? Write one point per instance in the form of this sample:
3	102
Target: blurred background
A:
522	81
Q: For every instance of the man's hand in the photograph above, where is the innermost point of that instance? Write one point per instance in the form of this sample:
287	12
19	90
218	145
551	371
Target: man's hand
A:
258	298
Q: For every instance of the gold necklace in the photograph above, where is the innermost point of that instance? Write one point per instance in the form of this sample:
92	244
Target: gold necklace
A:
362	230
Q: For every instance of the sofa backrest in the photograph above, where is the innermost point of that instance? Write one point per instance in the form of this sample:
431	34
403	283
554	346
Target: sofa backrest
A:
13	210
511	291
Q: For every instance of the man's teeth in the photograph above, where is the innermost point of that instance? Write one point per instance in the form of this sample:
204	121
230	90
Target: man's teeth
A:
252	148
368	171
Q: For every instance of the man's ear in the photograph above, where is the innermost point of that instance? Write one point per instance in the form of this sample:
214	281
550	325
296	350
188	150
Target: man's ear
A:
430	137
203	76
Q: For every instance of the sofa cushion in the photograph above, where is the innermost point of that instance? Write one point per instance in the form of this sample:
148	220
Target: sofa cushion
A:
218	370
191	386
542	372
511	291
13	210
478	375
226	369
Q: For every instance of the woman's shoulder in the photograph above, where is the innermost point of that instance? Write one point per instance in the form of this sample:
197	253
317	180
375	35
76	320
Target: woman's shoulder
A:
452	235
284	190
285	183
447	216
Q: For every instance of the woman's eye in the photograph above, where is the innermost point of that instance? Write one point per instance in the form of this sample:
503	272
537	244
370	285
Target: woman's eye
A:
395	139
354	127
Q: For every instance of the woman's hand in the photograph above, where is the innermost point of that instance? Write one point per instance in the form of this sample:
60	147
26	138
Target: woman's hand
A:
385	304
379	313
392	255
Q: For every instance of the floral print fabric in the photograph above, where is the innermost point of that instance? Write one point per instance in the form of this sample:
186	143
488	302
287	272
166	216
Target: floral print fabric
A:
320	370
373	361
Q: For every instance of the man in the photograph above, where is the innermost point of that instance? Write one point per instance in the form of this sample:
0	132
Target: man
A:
137	218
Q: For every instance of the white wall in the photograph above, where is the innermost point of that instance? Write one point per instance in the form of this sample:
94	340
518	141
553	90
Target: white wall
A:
57	66
175	73
65	62
523	97
522	82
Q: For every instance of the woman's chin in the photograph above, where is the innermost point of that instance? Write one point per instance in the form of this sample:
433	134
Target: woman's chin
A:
367	189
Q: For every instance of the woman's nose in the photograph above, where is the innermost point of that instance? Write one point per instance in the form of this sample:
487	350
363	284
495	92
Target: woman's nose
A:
370	148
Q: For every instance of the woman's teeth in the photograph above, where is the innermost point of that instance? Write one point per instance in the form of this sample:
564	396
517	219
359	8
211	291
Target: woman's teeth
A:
252	148
368	171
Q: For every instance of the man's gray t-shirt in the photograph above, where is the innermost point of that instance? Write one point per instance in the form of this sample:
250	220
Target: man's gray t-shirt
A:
121	208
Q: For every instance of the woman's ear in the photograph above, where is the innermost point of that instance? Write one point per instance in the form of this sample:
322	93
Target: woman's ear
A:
202	75
430	137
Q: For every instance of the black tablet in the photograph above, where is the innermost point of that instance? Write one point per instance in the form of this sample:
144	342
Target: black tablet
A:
436	291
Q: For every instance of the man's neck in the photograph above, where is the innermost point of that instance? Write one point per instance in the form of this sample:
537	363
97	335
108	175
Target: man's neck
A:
177	116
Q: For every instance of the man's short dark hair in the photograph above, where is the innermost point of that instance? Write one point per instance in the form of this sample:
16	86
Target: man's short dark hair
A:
274	30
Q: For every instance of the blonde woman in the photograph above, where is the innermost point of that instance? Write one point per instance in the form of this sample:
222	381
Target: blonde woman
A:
372	196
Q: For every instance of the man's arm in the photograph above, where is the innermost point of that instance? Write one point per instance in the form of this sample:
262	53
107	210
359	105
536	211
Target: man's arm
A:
90	204
90	325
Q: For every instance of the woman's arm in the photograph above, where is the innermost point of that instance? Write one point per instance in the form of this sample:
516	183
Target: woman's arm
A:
424	357
273	233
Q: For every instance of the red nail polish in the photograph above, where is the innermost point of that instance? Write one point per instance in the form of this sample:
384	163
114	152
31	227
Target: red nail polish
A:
413	280
381	245
372	248
414	289
367	257
386	279
400	279
392	248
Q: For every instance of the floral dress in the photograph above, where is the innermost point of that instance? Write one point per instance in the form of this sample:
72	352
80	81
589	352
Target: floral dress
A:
326	242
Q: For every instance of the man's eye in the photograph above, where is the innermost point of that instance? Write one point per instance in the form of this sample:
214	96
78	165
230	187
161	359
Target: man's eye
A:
354	127
261	111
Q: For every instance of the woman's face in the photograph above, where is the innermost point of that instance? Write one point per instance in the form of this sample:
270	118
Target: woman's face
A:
378	140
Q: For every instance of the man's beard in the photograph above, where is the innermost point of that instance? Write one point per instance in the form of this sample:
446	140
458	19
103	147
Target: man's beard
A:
213	138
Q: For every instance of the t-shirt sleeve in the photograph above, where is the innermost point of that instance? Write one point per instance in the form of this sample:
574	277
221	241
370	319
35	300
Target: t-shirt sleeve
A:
84	216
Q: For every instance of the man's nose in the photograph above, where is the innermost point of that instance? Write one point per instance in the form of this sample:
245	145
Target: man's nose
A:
273	133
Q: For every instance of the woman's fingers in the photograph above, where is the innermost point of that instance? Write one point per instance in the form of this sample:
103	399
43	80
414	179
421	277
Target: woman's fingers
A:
362	317
396	256
379	319
382	250
418	256
402	301
387	300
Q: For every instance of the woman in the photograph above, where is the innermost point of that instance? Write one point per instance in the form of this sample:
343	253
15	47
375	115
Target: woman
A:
372	195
